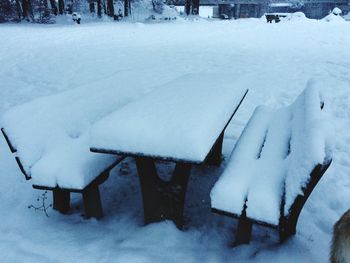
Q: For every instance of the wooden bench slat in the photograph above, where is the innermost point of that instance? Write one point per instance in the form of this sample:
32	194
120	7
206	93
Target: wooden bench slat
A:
233	186
12	148
264	195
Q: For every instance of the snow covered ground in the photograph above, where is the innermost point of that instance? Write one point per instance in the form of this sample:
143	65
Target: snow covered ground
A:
274	61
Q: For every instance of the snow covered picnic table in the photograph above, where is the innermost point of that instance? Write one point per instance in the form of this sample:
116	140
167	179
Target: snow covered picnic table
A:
183	122
49	138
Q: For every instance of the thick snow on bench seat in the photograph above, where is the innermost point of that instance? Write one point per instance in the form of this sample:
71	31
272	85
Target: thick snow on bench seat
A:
181	120
50	134
274	156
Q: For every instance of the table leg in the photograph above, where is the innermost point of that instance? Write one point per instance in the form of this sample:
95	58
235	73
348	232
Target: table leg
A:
214	157
163	200
92	202
61	200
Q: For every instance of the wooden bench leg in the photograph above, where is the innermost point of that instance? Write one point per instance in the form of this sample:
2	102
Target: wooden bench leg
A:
244	230
287	231
288	224
163	200
61	200
92	202
214	157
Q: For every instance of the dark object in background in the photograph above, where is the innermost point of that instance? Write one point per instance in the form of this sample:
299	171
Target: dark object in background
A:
158	6
92	6
54	7
61	7
192	7
99	9
119	16
271	17
127	7
76	18
340	249
110	8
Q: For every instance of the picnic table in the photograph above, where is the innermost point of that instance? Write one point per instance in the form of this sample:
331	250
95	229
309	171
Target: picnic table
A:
182	122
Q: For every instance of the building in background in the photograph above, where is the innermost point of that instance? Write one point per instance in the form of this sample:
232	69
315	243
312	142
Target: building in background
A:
315	9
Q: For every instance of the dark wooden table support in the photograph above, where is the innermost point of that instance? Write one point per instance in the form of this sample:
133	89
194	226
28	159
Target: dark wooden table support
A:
92	202
244	230
161	199
61	200
288	223
214	156
91	194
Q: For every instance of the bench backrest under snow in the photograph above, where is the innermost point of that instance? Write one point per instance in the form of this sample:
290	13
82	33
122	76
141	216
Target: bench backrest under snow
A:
276	163
49	137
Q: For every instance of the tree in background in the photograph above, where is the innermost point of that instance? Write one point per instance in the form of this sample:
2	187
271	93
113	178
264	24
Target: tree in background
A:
61	7
110	8
27	10
99	9
7	11
42	11
92	6
104	7
127	8
78	5
31	10
18	11
54	7
188	7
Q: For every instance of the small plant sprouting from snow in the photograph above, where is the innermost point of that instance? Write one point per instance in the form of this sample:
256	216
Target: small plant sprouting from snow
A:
42	206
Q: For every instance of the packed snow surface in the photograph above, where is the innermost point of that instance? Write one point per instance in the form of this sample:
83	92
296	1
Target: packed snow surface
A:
181	120
274	157
337	11
332	17
297	16
274	61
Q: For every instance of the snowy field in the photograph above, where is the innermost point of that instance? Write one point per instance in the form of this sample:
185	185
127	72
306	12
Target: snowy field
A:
275	61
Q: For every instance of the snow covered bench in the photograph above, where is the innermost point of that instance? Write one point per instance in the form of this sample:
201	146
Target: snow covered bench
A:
49	137
277	161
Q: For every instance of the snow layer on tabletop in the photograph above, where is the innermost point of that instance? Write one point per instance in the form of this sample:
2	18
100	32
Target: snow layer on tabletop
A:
262	162
50	134
180	120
